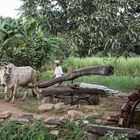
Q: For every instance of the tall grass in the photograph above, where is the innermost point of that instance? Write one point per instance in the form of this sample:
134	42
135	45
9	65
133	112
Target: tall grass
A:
122	66
121	83
12	130
126	71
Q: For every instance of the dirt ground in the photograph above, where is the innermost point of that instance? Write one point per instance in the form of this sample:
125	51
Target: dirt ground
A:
8	106
107	107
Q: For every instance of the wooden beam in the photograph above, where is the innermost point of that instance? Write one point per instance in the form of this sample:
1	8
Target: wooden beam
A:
66	90
100	70
102	130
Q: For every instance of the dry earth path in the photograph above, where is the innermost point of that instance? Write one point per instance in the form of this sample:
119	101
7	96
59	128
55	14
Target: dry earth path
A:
8	106
107	106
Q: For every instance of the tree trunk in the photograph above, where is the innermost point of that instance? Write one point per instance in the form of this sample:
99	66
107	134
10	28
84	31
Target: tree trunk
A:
67	90
101	70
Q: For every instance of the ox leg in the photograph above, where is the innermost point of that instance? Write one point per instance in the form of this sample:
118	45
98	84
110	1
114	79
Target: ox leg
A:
11	93
25	94
10	96
35	91
14	94
38	96
34	81
5	93
34	95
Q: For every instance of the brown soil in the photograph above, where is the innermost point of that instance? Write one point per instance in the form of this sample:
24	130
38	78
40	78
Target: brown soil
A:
8	106
107	106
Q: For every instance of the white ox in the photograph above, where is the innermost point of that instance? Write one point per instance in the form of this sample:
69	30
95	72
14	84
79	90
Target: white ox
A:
11	77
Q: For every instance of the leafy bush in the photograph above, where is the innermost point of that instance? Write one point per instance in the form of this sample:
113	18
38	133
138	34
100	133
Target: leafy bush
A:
113	136
22	42
45	75
11	130
72	131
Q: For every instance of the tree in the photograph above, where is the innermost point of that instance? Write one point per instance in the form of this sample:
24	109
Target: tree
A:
22	43
111	26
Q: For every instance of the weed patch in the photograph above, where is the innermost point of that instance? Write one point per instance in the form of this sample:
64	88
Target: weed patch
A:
11	130
29	105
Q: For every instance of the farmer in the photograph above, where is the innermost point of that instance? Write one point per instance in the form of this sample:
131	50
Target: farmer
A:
58	69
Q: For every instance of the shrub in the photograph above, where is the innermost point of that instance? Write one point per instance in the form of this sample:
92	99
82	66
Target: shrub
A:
113	136
11	130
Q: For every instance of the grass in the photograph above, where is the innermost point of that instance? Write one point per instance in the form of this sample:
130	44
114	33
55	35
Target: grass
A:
125	78
70	130
11	130
29	105
126	71
1	95
113	136
45	75
121	83
122	66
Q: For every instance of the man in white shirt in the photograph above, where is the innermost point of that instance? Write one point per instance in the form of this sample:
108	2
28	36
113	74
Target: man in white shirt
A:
58	69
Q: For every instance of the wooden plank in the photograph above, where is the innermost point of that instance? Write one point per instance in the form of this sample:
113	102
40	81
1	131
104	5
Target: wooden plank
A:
102	130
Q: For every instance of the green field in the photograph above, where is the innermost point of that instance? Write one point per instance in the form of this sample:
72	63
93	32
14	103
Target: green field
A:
126	71
122	66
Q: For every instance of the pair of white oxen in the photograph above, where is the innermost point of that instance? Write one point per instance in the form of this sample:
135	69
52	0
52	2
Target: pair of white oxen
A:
11	77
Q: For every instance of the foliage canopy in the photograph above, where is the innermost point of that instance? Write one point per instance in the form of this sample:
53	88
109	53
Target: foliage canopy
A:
111	26
22	43
49	29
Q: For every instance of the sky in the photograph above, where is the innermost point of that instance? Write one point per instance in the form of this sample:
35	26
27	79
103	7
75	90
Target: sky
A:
8	8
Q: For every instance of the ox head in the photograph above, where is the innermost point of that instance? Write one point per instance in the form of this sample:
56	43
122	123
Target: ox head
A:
4	75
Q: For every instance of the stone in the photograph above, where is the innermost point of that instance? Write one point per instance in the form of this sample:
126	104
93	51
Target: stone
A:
85	121
5	114
75	115
1	120
52	121
27	116
45	107
54	132
45	100
58	105
98	121
22	120
49	126
72	107
13	117
64	118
